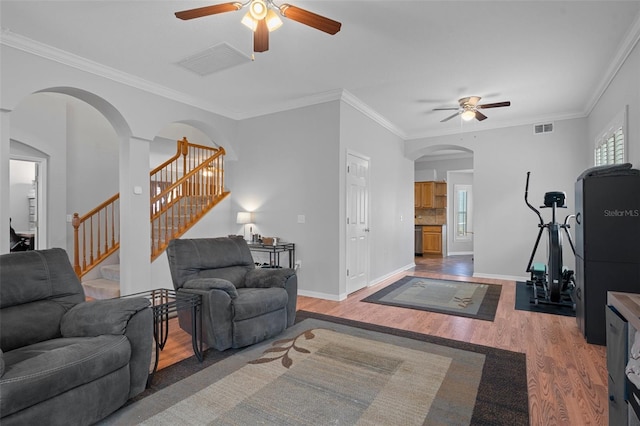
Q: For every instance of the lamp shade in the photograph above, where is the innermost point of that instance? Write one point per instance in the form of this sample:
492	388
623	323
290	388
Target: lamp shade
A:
468	115
273	21
243	218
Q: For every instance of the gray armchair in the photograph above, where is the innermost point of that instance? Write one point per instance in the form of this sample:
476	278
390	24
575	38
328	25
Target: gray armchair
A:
64	361
242	304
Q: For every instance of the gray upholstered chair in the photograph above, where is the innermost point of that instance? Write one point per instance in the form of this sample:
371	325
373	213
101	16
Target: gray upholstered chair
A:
64	361
242	304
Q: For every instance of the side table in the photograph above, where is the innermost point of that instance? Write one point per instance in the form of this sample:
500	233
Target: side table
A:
164	302
274	251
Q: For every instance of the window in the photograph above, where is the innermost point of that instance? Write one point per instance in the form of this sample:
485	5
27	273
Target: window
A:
610	147
462	212
611	150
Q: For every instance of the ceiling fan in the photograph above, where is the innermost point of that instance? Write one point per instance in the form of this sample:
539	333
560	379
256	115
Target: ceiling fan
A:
468	108
262	19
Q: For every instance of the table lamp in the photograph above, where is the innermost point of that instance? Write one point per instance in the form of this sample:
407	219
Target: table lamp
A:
243	218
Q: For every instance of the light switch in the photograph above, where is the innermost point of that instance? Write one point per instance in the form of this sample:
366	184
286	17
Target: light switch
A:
301	218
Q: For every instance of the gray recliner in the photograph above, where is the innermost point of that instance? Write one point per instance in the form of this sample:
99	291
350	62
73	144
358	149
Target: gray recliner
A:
64	361
241	304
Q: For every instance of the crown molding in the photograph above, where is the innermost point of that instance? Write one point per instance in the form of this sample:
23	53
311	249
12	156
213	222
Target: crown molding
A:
365	109
37	48
530	121
628	44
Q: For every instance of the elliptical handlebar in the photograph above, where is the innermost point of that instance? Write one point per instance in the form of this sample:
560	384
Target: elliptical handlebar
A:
526	200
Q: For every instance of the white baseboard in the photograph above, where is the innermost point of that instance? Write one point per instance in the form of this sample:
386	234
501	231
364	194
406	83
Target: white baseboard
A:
459	253
390	274
318	295
343	296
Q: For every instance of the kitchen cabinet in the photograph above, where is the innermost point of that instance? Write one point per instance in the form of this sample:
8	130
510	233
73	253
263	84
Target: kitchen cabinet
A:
432	239
430	195
424	195
440	196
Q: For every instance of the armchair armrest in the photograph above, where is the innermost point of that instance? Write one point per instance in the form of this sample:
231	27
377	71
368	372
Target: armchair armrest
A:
109	316
207	284
131	317
267	277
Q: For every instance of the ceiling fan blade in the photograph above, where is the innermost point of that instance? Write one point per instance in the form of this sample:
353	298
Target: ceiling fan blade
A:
480	116
495	105
446	109
450	117
208	10
311	19
261	37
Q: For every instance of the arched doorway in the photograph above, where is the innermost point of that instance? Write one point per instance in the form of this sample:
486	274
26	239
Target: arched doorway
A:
453	165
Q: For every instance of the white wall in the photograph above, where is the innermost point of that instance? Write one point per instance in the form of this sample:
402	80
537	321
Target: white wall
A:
293	163
437	169
391	178
288	166
504	228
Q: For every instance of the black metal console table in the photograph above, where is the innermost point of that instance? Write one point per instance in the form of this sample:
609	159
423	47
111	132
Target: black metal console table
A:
165	301
274	252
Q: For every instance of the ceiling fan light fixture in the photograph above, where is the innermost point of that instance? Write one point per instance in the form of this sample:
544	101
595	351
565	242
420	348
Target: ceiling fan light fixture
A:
273	20
249	22
468	115
258	9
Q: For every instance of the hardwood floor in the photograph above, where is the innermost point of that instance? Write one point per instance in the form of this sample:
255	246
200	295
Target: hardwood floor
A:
567	377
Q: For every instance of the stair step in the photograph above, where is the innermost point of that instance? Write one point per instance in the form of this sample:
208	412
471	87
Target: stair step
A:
110	272
101	288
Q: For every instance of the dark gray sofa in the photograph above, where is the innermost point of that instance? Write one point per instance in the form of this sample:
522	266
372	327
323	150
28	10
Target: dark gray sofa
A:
241	304
63	360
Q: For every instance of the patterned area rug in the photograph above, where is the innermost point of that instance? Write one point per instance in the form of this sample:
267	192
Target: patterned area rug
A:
327	370
464	299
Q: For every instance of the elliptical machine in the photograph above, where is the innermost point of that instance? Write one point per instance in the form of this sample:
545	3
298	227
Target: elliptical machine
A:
556	282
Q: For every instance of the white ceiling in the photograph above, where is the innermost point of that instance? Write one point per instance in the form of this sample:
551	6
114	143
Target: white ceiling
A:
397	60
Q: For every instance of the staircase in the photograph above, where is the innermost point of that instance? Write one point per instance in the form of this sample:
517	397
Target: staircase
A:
183	190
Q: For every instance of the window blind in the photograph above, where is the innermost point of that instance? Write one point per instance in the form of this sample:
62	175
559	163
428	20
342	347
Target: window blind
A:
611	149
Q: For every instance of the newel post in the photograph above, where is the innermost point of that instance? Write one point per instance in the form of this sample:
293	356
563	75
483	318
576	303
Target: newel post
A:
76	246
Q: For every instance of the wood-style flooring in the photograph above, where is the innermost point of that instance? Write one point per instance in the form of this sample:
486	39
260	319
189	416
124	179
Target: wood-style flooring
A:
567	377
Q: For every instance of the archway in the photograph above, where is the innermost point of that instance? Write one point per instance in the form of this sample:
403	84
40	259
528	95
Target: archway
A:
452	164
77	135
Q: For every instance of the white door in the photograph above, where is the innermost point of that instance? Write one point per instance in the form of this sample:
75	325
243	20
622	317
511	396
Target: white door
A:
357	222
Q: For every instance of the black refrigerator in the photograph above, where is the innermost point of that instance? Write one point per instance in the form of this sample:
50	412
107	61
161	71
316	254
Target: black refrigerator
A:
607	234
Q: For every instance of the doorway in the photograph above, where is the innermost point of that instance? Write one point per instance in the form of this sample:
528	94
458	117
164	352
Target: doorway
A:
357	222
27	206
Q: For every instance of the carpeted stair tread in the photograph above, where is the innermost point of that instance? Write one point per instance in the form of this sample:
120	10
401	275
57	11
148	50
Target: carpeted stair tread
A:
101	288
110	272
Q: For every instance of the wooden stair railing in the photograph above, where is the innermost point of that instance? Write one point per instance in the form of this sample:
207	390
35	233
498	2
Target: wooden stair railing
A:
96	235
178	205
183	189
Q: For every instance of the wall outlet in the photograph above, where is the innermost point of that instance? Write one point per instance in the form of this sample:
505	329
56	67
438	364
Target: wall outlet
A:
298	264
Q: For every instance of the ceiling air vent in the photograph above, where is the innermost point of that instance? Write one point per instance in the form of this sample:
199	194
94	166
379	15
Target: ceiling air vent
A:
214	59
542	128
